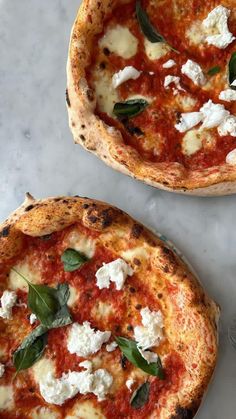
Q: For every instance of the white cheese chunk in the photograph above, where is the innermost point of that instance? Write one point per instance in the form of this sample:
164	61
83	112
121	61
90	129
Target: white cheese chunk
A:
172	79
151	333
155	50
6	398
231	157
42	367
33	318
83	340
228	95
217	25
188	120
193	70
169	64
228	126
8	300
148	356
234	83
129	383
58	390
213	114
111	346
116	271
122	76
2	370
120	41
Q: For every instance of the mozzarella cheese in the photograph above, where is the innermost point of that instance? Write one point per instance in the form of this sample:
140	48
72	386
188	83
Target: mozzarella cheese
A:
73	296
106	95
111	346
213	114
155	50
228	126
122	76
41	368
31	272
33	318
151	333
191	142
172	79
231	157
116	271
217	25
148	356
120	41
138	252
8	300
188	120
169	64
43	413
193	70
129	383
228	95
185	102
58	390
85	410
81	243
83	340
2	370
6	398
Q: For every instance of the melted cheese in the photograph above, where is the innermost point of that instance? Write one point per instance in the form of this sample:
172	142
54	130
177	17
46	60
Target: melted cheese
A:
192	142
120	41
6	398
85	410
136	252
44	413
106	95
42	368
102	309
81	243
73	296
31	272
156	50
186	102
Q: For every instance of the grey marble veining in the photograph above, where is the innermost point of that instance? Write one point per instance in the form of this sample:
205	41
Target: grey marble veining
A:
37	154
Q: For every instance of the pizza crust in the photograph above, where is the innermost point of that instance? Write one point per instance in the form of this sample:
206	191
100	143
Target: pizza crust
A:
198	315
106	142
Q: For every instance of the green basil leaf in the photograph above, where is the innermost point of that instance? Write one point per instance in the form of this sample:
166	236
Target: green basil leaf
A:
31	349
214	70
129	108
140	396
130	350
63	293
62	318
147	28
72	260
232	70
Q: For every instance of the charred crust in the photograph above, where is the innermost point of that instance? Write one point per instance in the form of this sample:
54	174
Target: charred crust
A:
90	95
106	51
82	137
68	99
29	208
5	231
101	218
183	413
136	231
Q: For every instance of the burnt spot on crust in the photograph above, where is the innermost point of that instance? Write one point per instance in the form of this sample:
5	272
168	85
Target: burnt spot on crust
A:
5	231
106	51
67	98
100	218
136	231
82	137
90	95
29	208
183	413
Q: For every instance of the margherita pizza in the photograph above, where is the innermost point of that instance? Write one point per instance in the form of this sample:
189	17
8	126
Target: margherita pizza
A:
99	318
152	90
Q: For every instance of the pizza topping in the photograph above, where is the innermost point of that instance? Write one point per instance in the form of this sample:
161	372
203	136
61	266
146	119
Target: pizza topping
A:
151	333
140	396
106	95
58	390
129	383
120	41
32	318
131	351
122	76
228	95
73	260
228	126
148	356
192	142
217	25
83	340
111	346
172	79
169	64
188	120
116	271
129	108
193	70
214	70
8	300
6	398
2	370
232	71
213	114
231	157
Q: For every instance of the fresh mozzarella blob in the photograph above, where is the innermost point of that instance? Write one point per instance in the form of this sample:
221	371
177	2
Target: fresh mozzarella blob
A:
169	64
155	50
217	25
191	142
6	398
73	296
8	300
148	356
231	157
110	347
124	75
193	70
115	271
33	318
41	368
81	243
31	272
120	41
129	383
213	114
43	413
228	126
228	95
172	79
151	333
85	410
188	121
106	95
84	341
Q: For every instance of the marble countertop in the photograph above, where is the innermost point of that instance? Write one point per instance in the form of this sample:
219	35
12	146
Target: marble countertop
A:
37	154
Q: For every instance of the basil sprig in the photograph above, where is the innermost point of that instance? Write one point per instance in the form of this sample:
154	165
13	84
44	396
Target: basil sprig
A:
214	70
129	108
130	350
232	70
140	396
72	260
31	349
147	28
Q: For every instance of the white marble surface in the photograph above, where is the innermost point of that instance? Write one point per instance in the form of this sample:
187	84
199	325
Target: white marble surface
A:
37	154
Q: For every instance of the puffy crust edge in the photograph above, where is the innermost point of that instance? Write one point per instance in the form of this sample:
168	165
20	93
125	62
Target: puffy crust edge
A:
41	217
106	142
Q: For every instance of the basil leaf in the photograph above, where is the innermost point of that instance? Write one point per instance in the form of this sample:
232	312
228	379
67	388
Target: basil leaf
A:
72	260
140	396
232	70
63	293
130	350
31	349
214	70
62	318
147	28
129	108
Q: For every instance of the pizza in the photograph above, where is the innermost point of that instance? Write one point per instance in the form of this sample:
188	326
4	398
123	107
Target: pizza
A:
151	90
99	317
